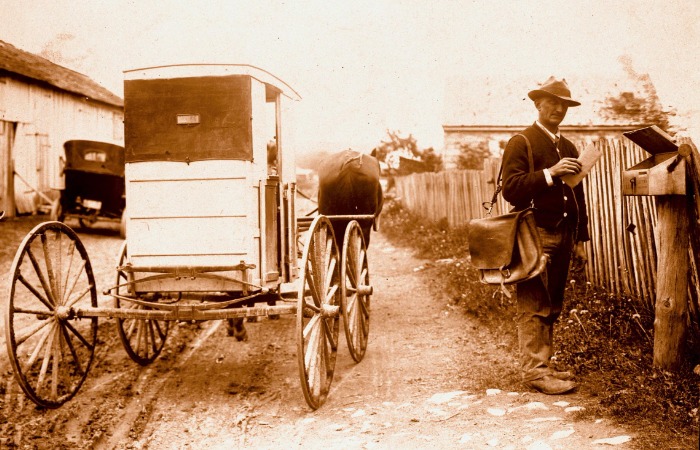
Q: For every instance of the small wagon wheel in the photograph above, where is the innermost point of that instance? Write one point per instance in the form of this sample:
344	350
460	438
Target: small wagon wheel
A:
143	339
51	349
318	312
356	290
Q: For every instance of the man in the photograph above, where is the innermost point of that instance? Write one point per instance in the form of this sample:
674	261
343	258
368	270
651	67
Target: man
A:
560	214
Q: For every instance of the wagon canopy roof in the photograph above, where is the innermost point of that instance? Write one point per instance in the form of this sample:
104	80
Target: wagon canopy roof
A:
14	60
209	70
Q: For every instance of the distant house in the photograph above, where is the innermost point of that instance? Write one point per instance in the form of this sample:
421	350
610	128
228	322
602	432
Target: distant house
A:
493	109
42	105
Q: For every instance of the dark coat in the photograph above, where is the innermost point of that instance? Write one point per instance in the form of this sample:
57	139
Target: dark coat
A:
554	205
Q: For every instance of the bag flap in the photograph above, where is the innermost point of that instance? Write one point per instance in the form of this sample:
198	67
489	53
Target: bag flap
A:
492	240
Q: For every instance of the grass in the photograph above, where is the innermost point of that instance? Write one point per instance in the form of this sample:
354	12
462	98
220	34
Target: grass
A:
606	340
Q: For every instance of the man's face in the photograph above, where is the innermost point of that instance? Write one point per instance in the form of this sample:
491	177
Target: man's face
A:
551	111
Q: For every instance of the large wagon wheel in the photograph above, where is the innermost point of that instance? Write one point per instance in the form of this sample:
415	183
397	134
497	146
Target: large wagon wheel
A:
356	291
318	318
143	339
50	348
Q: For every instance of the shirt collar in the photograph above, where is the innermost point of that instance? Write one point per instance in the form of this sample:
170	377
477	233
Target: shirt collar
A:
552	136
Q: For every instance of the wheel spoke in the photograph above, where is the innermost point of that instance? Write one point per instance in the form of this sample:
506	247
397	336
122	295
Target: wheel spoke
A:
79	336
330	295
78	297
75	281
328	333
48	261
312	347
152	334
27	332
161	333
361	263
37	349
310	326
312	307
47	357
40	275
73	352
139	336
71	251
132	327
35	291
351	302
313	285
329	279
56	362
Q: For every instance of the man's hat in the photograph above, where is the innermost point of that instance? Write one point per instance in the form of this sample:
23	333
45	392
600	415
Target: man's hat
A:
556	88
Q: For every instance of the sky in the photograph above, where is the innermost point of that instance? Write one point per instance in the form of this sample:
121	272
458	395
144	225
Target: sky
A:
364	67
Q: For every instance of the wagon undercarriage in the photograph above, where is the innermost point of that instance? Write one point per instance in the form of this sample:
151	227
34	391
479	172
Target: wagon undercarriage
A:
52	310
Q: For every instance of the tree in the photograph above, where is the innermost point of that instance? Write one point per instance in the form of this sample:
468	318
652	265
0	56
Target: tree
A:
645	109
396	147
472	155
406	145
432	161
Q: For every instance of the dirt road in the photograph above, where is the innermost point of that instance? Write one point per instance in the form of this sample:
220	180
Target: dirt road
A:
431	378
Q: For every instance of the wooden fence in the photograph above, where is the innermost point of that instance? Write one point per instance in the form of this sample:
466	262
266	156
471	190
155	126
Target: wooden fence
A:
622	252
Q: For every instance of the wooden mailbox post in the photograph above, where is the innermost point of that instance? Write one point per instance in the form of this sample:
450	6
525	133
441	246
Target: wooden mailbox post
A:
663	175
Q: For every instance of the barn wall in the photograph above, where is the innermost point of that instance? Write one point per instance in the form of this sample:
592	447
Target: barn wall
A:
45	119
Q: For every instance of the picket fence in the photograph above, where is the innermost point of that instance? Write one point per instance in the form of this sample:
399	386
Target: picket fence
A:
622	252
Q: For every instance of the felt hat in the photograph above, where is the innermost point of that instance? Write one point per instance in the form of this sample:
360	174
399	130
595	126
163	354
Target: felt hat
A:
555	88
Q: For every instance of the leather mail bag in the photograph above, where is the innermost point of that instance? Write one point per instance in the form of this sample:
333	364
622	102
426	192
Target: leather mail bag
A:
506	249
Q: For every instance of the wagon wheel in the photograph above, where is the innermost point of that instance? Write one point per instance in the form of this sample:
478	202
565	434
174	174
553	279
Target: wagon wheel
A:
356	291
51	349
143	339
318	307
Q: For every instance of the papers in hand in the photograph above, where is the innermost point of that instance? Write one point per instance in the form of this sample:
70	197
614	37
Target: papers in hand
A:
588	157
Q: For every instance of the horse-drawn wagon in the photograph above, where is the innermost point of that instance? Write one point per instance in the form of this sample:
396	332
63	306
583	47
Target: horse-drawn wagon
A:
211	234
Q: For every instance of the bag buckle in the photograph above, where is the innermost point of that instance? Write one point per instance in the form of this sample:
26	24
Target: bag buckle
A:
505	272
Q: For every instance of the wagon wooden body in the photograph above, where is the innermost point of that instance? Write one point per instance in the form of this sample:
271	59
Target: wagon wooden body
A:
211	234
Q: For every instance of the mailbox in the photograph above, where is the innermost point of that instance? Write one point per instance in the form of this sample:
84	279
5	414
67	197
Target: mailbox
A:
661	174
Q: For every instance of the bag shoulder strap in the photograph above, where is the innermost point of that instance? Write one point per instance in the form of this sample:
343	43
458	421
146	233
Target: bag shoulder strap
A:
499	185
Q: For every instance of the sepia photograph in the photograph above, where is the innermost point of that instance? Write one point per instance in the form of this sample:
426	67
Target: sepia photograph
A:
388	224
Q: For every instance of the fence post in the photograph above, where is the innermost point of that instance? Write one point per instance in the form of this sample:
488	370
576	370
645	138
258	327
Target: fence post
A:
670	323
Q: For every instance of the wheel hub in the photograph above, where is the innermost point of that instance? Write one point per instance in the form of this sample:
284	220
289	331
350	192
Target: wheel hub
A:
64	312
330	311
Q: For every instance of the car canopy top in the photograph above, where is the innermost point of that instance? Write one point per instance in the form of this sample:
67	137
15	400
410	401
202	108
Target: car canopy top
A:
93	156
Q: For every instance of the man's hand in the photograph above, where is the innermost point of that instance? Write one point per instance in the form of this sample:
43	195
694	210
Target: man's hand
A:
565	166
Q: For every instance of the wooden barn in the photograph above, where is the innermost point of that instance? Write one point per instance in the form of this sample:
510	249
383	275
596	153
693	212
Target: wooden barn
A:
43	105
489	110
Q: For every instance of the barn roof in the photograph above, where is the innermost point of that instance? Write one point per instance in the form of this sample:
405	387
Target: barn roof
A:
37	68
499	100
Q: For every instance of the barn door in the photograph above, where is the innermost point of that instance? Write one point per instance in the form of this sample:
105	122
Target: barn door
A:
7	194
